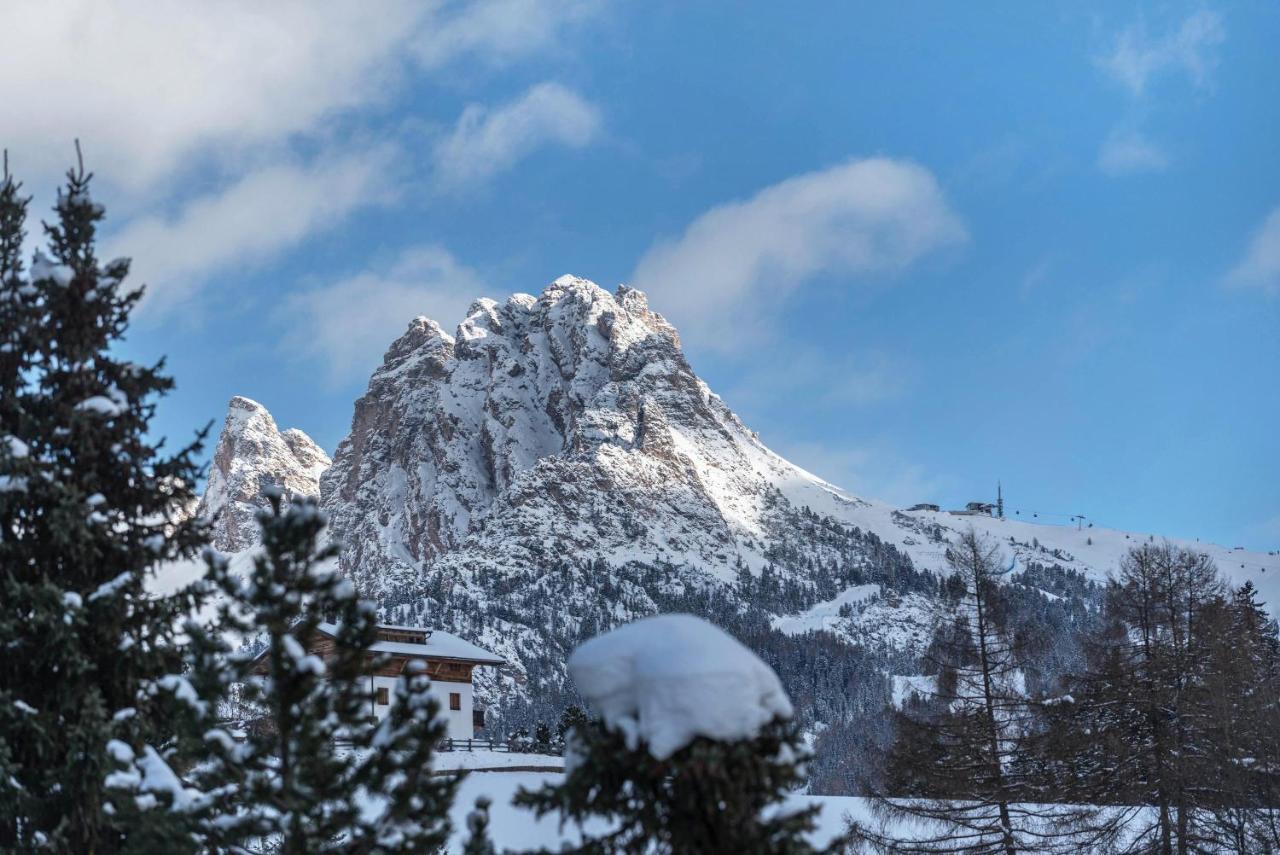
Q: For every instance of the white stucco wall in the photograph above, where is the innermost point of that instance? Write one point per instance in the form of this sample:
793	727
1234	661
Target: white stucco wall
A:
460	726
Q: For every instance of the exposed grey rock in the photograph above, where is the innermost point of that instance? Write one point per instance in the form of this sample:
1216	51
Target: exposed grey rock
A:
252	454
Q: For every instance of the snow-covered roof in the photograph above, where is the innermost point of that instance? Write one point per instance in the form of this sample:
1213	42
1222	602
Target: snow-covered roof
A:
395	627
439	645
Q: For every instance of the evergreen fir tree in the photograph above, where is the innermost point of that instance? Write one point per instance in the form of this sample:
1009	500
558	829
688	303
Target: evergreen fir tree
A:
322	775
572	718
478	841
17	296
89	505
542	739
708	797
15	357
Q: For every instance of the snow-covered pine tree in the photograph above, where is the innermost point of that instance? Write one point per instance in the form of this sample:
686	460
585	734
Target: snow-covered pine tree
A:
711	796
322	775
572	718
478	840
649	771
17	295
89	504
16	311
1258	640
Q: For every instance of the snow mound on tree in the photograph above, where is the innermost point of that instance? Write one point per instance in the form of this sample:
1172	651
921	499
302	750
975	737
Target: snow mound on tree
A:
667	679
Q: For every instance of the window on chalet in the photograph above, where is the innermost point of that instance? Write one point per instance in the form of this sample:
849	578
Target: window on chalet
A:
383	700
455	700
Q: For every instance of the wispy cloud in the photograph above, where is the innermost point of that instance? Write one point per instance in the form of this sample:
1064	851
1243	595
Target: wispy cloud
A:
251	221
499	31
734	263
1259	268
1036	276
487	141
1127	152
1136	60
347	325
1137	57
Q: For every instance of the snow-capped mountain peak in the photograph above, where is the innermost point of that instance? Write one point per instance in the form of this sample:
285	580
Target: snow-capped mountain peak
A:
253	454
572	418
555	467
571	424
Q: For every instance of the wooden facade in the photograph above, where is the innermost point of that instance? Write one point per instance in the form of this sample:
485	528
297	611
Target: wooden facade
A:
393	664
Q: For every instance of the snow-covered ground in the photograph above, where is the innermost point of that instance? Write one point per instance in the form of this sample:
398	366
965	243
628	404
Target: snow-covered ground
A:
905	686
825	615
514	828
902	622
1096	551
496	760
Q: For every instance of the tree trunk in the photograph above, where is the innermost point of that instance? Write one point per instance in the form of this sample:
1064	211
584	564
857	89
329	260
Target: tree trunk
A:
993	726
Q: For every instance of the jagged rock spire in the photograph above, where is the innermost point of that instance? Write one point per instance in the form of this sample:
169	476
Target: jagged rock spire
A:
253	454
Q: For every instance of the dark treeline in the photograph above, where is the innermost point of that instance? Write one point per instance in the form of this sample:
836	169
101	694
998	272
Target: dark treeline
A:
1166	724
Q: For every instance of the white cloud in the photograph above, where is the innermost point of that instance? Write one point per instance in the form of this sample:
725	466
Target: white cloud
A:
735	262
256	217
498	31
346	326
1036	277
148	86
1260	266
1135	61
1138	58
1127	152
488	141
153	88
168	96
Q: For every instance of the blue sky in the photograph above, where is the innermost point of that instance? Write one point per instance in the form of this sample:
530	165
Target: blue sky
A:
918	246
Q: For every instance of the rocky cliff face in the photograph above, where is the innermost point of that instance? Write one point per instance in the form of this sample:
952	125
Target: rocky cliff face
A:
567	424
253	454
